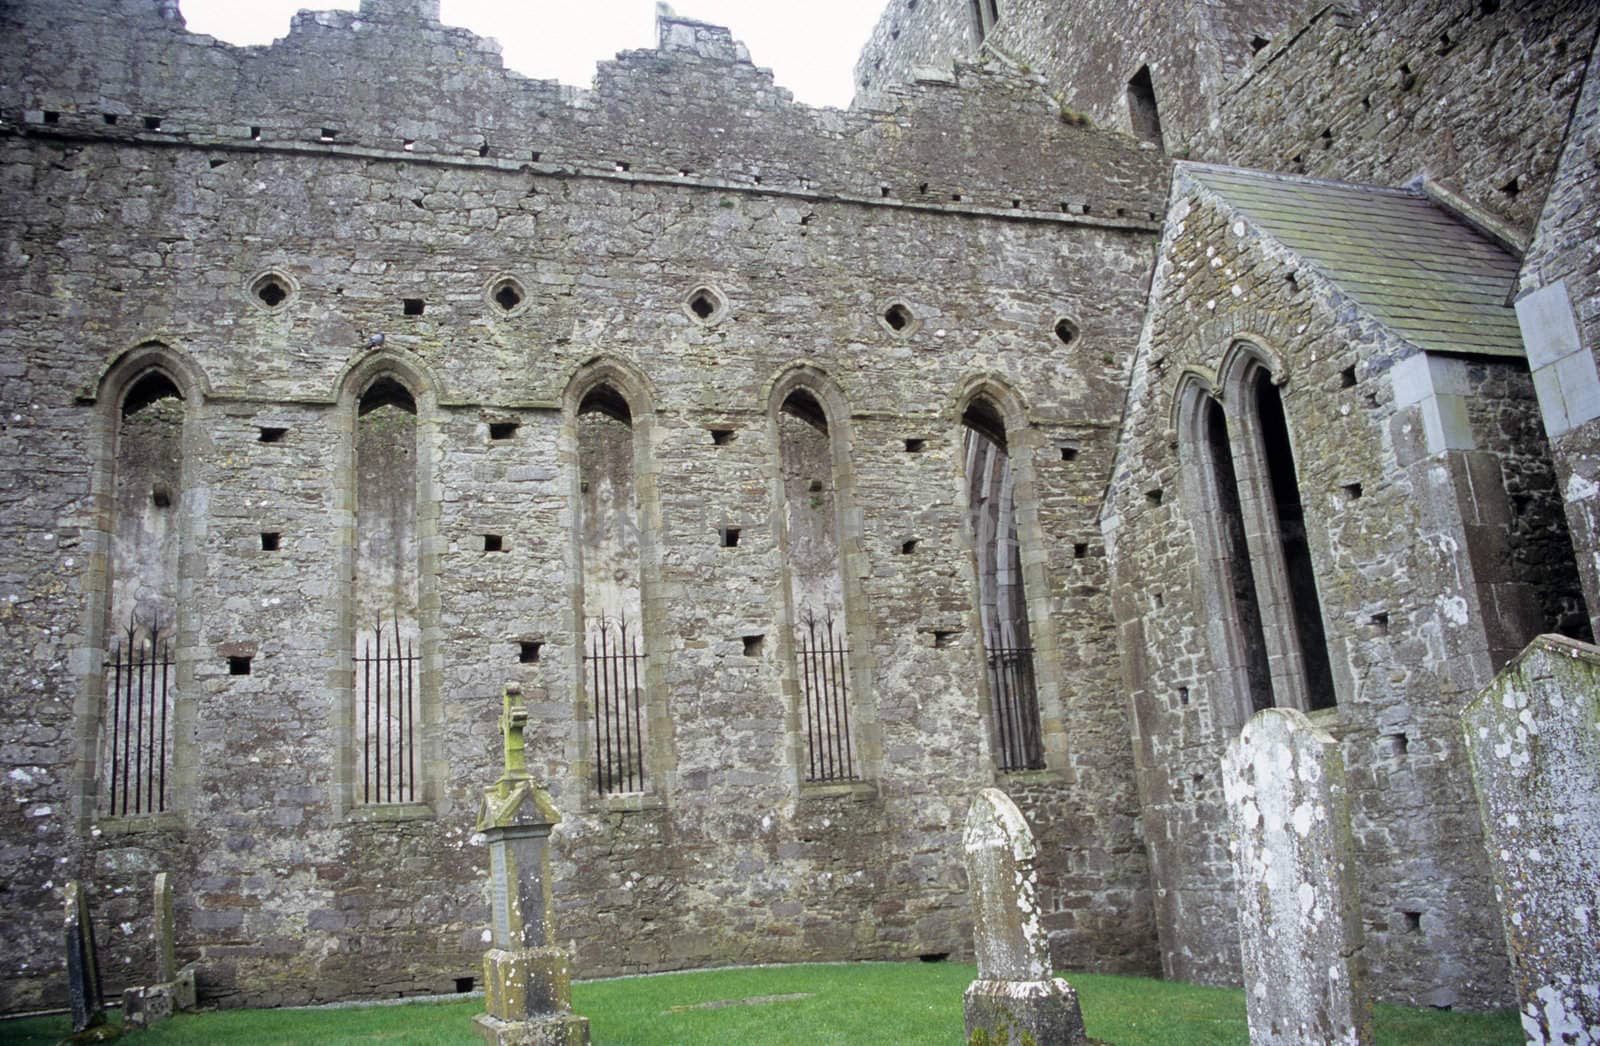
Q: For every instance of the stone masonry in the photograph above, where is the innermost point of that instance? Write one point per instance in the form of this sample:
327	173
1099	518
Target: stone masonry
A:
359	354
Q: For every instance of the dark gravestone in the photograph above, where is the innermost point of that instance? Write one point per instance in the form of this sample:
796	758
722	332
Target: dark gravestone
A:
83	971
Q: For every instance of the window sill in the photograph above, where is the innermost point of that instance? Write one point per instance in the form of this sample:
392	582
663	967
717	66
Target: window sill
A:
1026	777
389	813
851	791
135	824
633	802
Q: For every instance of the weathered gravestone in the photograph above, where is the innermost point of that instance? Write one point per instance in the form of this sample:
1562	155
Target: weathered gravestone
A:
83	970
1533	740
1015	1000
174	988
527	985
1293	859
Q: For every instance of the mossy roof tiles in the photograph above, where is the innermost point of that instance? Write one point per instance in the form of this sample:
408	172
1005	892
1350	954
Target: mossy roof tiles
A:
1411	265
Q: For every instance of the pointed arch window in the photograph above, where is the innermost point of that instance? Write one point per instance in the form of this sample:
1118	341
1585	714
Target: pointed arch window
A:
611	596
1002	594
387	596
1266	626
140	672
810	520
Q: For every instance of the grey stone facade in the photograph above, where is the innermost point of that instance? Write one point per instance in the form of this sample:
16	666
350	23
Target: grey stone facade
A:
498	352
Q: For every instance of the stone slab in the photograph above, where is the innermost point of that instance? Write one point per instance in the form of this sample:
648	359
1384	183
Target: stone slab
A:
566	1029
1023	1013
1533	741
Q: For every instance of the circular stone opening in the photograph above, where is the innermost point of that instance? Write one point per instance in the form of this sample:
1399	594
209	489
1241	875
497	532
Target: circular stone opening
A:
507	294
271	290
1066	331
898	317
704	304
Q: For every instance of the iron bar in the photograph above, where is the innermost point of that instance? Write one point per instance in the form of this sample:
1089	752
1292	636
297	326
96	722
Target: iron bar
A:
824	670
617	693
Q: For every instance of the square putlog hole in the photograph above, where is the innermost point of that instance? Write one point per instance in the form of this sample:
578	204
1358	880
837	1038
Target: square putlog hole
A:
239	666
271	540
494	543
908	548
271	434
721	437
943	638
754	645
528	651
728	537
916	446
503	430
413	306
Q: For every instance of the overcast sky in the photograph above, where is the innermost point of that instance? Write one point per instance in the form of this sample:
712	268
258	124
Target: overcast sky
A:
810	47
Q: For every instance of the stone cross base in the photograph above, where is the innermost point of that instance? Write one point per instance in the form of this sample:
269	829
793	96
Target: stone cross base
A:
1011	1013
142	1007
556	1029
526	983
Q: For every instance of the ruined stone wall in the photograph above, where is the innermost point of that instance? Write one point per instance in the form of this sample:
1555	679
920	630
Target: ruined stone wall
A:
1565	250
116	235
1476	95
1409	547
1085	53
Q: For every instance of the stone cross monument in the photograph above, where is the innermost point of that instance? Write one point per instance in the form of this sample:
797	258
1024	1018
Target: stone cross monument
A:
527	985
1015	1000
1294	862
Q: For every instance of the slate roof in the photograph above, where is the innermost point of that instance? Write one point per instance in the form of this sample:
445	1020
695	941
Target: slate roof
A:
1412	265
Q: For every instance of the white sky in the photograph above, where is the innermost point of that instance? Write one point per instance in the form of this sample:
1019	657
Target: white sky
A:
810	46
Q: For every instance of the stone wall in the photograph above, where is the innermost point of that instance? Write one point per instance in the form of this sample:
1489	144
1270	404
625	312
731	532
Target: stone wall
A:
145	241
1564	257
1085	53
1476	95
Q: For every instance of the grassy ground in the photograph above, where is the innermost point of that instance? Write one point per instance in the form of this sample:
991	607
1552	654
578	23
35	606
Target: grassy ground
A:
872	1002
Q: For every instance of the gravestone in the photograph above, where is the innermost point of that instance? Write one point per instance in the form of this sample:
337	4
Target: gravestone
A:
527	984
83	971
1015	1000
174	989
1533	742
1293	859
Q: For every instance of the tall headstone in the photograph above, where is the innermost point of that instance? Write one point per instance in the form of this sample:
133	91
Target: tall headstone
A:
527	983
1533	741
1294	866
1015	1000
83	970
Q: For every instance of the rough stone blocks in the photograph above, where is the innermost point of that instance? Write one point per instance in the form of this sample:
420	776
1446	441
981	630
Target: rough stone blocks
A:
1017	1013
520	983
565	1029
1533	738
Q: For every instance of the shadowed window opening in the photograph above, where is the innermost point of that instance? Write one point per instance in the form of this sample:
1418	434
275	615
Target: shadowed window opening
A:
1066	331
1142	111
494	543
1306	605
508	294
110	119
728	537
385	595
898	317
1380	624
255	134
412	306
272	290
1002	600
528	651
754	645
271	540
1080	550
908	548
1242	614
721	437
465	984
152	123
271	434
613	651
1258	44
814	562
503	430
239	666
1347	377
142	567
703	304
916	446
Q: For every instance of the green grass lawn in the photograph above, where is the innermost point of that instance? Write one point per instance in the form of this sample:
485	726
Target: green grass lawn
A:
867	1002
